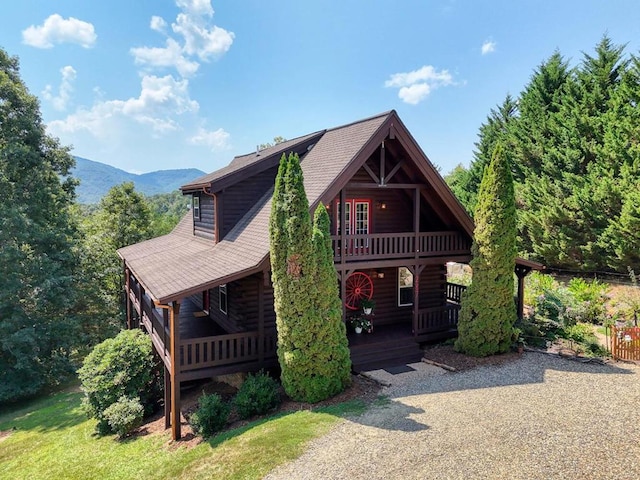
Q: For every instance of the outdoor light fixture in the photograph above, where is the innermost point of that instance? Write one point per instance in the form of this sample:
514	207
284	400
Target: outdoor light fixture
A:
381	206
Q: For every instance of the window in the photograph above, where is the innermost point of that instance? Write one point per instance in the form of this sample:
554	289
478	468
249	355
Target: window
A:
222	298
405	287
196	208
360	222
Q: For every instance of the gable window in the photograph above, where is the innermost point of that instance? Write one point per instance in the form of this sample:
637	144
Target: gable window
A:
405	287
196	208
357	217
222	298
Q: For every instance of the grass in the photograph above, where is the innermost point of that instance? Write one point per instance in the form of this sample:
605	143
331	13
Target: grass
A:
52	438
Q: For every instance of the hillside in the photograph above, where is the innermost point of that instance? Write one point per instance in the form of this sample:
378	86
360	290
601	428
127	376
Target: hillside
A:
97	178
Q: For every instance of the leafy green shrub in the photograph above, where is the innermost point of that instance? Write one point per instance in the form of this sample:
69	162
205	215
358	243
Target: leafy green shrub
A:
211	416
257	395
124	416
538	284
593	297
123	366
580	332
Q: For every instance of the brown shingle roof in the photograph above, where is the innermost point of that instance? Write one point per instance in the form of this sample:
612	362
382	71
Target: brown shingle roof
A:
243	162
179	264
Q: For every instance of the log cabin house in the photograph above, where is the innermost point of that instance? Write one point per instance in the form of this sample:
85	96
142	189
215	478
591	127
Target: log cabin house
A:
203	292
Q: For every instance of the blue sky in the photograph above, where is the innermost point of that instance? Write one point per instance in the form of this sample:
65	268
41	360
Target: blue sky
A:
159	84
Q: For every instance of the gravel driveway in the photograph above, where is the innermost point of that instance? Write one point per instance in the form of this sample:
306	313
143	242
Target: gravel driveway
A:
537	417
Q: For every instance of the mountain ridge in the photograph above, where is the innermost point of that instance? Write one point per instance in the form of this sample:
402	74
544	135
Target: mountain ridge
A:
97	178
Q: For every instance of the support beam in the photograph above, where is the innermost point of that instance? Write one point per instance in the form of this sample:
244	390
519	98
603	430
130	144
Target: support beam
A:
261	302
167	398
373	176
127	287
416	221
393	171
417	271
343	250
174	319
382	164
521	273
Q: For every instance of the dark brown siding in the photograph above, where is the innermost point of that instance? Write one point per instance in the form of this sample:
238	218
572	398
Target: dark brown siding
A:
398	215
433	286
242	305
239	198
385	293
204	227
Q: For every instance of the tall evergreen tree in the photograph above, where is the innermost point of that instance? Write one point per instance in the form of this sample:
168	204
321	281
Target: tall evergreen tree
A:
311	354
465	182
488	310
575	158
38	328
330	347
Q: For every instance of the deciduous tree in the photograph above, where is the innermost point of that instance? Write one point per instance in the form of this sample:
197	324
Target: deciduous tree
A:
39	330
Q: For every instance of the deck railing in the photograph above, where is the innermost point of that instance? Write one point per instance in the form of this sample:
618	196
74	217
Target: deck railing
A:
437	319
399	245
226	349
454	292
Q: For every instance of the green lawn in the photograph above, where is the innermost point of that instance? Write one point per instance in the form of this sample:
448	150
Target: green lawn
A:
54	439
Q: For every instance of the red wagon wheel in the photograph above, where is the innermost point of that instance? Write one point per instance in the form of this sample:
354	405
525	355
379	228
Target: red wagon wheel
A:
358	287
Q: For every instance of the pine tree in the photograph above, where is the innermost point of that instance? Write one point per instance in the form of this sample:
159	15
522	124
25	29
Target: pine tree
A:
39	330
488	310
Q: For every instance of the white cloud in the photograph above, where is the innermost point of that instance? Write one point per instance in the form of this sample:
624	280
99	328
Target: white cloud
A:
415	93
488	47
214	139
196	38
199	39
56	29
161	100
415	86
196	7
65	90
169	56
158	24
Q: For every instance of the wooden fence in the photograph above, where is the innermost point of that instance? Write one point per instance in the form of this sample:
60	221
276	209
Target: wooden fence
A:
625	343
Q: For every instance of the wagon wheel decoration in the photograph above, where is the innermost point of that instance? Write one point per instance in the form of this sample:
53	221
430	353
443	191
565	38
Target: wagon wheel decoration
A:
358	287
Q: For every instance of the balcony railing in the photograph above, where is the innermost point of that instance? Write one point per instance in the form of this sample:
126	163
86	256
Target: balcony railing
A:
437	319
399	245
454	292
226	349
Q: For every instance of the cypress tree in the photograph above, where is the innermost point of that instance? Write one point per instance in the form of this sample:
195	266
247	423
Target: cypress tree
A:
330	349
312	345
488	309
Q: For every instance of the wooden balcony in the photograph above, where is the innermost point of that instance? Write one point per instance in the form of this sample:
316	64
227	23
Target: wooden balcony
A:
383	246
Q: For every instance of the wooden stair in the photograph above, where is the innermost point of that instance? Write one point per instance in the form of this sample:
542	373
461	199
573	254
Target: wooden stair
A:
387	346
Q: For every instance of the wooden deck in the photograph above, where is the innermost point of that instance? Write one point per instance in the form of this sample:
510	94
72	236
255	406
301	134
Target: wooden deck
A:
207	350
385	346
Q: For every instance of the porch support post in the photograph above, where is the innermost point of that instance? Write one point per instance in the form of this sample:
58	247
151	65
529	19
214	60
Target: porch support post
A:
343	249
127	300
382	164
261	339
521	272
174	321
167	398
416	270
416	221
